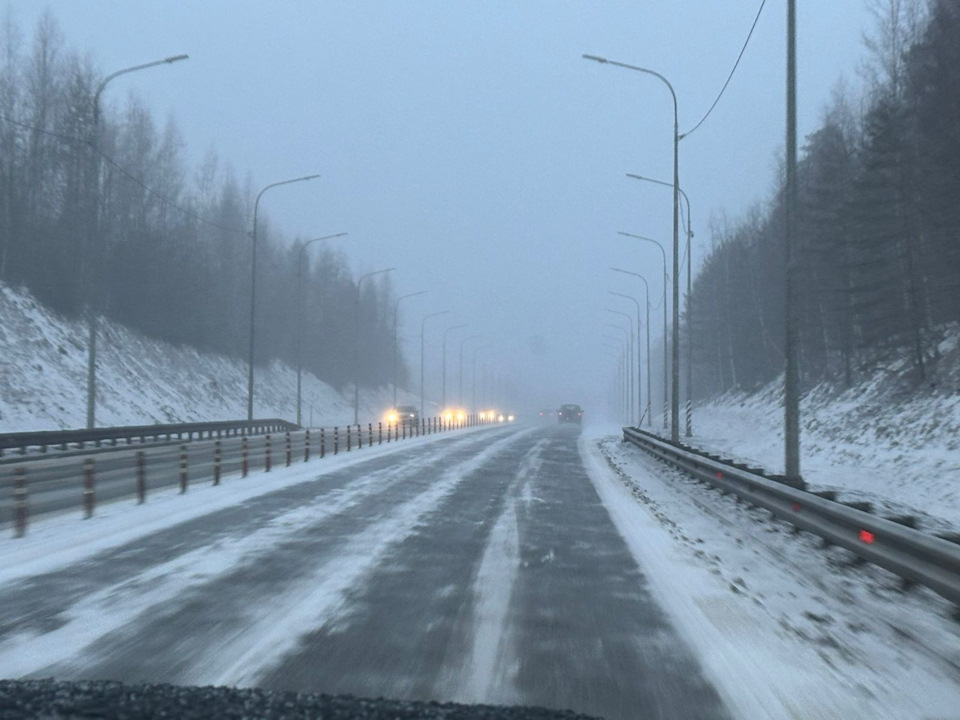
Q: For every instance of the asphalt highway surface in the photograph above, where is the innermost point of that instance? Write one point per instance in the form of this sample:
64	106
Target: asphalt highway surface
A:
479	568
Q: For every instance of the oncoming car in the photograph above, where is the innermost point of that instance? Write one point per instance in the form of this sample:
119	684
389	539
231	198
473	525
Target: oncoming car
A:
569	414
404	415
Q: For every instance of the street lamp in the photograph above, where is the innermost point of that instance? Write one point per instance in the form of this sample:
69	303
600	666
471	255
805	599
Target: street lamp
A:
356	343
396	363
423	327
92	229
300	311
663	254
253	285
646	291
618	345
629	359
449	329
675	394
689	404
460	391
639	363
473	393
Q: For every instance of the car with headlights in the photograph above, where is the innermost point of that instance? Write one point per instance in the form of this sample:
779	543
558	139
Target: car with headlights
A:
570	414
404	415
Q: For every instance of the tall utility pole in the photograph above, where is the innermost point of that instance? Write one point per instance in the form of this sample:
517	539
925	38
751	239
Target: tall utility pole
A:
253	286
639	401
791	404
94	243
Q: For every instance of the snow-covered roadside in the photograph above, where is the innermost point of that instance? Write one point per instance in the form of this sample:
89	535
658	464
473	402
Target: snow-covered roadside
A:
783	627
54	542
143	381
882	440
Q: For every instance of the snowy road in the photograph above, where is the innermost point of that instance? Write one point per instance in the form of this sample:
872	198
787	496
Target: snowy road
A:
481	567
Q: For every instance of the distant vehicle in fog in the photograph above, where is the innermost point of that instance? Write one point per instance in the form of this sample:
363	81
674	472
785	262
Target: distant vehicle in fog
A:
569	414
544	414
404	415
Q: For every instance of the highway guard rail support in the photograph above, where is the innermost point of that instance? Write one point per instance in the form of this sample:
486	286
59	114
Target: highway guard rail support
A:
911	554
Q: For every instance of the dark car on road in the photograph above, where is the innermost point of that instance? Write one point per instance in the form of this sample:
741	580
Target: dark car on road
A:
569	414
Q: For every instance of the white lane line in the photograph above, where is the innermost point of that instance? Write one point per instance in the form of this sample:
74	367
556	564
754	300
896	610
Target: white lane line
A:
273	631
489	673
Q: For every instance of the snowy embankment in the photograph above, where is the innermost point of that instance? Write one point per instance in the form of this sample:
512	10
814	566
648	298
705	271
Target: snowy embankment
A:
43	366
885	440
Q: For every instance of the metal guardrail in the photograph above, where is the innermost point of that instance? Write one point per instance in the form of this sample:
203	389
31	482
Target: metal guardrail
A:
61	482
913	555
98	436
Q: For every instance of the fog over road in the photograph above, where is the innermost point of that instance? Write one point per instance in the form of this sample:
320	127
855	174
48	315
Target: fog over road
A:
480	568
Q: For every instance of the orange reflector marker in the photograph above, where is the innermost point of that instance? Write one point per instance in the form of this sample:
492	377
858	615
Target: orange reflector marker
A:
866	536
719	474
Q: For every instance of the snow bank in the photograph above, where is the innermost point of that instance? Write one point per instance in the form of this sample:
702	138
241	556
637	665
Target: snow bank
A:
141	381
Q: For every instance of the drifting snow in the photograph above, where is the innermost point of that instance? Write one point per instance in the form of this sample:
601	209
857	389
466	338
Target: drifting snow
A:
141	381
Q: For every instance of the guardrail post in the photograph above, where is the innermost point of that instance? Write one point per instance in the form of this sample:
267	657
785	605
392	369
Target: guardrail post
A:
306	446
266	456
288	448
359	436
349	440
88	497
216	462
183	469
336	439
379	433
323	443
141	478
20	502
404	431
370	434
244	457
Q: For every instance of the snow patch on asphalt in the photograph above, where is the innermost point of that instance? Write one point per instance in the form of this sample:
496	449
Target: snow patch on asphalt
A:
488	674
272	633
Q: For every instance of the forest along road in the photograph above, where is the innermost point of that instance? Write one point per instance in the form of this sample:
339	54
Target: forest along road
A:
479	568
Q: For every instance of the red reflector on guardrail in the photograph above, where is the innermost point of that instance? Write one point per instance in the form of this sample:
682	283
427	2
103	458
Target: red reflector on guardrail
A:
719	475
866	536
796	507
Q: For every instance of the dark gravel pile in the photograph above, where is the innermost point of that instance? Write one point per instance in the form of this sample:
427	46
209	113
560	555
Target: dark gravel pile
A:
51	700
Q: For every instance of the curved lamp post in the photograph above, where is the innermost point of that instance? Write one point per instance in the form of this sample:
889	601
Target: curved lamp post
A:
630	388
689	403
639	362
396	354
356	342
303	247
423	327
675	390
663	254
92	242
253	286
460	391
445	332
646	291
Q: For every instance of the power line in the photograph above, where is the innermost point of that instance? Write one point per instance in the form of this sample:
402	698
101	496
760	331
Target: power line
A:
730	76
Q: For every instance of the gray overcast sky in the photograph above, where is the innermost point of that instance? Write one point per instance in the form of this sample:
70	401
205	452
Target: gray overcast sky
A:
470	146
